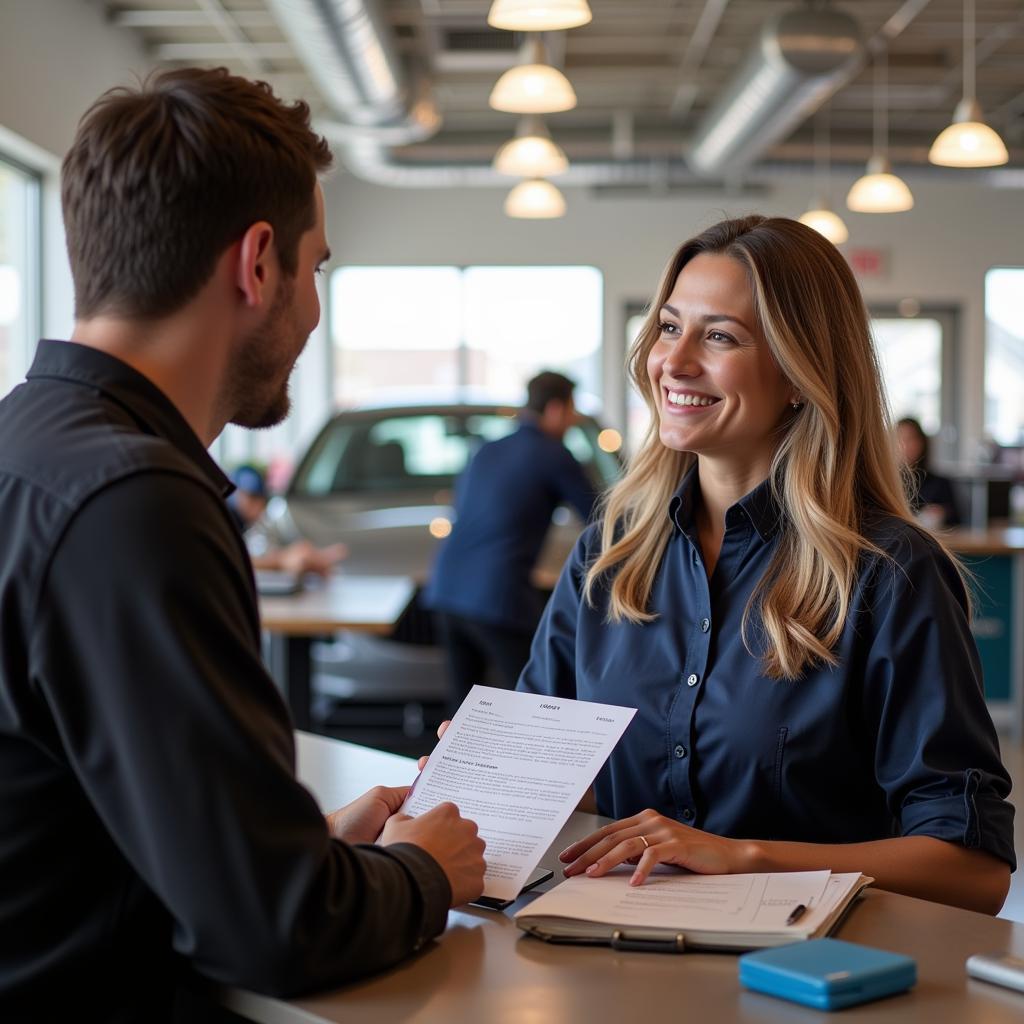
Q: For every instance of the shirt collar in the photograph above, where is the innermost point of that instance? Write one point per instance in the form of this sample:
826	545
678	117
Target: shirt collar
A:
759	506
154	412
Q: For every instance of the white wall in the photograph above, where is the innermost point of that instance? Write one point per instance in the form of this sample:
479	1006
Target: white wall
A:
56	57
936	253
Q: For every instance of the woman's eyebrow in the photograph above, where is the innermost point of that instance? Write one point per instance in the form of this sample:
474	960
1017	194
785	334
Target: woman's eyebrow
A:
709	318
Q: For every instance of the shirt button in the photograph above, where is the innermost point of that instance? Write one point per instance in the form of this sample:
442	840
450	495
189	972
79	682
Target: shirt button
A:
687	814
705	625
691	679
680	750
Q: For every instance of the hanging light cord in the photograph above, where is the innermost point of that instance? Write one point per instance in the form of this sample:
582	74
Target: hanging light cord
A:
821	152
881	103
969	83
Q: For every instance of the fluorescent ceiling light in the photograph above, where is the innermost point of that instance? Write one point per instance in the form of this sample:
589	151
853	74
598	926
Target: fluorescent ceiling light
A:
538	15
535	199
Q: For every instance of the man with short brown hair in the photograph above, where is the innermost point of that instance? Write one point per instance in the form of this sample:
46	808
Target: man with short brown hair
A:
152	830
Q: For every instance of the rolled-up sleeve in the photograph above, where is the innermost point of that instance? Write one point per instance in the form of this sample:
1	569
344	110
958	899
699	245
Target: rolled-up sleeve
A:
936	749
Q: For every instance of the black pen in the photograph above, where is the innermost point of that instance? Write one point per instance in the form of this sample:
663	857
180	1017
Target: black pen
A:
796	913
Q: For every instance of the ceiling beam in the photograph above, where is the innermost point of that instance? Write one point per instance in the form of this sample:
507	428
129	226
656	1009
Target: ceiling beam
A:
143	19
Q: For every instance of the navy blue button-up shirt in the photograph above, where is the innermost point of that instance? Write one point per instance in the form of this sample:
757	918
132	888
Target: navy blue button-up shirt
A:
896	740
503	506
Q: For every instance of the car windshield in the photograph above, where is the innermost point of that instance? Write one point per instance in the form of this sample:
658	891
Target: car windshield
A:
401	451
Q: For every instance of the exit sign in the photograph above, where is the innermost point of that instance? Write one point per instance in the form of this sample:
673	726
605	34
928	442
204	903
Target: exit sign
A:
869	262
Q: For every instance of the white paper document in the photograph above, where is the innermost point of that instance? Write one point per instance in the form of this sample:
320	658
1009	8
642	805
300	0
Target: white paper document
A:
701	903
517	764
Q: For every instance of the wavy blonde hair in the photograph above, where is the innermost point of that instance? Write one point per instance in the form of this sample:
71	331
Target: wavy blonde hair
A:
835	458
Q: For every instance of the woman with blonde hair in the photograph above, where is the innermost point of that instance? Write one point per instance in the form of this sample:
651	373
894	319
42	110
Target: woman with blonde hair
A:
809	695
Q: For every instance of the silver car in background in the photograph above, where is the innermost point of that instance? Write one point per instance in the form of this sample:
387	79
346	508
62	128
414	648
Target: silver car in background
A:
381	480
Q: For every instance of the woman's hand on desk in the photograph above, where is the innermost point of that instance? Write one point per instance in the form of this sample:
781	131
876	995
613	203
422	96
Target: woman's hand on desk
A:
363	820
649	838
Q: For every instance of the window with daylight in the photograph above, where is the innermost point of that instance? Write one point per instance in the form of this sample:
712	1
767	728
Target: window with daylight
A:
19	271
412	333
1004	355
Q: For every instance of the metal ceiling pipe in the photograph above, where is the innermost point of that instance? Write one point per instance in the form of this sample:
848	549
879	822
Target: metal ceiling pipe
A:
348	51
801	57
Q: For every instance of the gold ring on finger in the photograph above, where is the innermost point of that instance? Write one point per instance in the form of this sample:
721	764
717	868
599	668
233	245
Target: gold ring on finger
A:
643	839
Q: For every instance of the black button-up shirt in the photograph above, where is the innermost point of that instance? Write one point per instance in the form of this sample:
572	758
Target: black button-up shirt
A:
896	740
149	812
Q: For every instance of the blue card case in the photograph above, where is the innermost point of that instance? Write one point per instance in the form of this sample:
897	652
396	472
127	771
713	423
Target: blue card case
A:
827	974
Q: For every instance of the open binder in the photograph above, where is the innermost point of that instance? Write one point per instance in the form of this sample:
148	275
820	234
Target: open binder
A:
673	911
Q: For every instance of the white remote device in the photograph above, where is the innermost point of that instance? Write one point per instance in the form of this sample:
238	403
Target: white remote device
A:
998	968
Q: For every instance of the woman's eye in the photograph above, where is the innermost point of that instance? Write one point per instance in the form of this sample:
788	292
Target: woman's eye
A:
719	336
664	328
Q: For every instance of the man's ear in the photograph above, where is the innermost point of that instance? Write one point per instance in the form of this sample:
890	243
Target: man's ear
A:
257	264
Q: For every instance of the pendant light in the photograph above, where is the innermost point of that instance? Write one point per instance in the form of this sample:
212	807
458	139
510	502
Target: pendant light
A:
531	154
534	87
538	15
535	199
820	215
879	190
968	141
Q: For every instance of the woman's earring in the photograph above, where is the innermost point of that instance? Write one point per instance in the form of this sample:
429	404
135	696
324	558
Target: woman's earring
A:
796	405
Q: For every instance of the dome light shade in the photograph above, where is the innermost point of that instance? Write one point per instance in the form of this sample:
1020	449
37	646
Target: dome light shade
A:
879	190
530	156
826	223
533	89
968	141
535	199
538	15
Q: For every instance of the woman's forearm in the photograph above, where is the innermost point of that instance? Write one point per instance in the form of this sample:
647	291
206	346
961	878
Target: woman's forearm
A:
920	866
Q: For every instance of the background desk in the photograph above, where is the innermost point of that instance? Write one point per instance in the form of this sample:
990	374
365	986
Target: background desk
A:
996	557
484	971
365	604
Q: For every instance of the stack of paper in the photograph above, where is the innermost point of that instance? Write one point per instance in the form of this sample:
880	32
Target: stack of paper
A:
696	911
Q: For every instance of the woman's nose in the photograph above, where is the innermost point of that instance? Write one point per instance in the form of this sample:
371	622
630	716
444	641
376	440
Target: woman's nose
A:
681	360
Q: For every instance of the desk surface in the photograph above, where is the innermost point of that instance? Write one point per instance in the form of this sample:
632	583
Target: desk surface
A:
1007	541
369	604
483	969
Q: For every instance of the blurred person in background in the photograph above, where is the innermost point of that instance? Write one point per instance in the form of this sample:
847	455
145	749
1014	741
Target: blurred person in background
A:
268	549
931	496
487	607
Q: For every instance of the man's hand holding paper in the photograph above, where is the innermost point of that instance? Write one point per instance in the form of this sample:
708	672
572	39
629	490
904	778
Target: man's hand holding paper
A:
517	764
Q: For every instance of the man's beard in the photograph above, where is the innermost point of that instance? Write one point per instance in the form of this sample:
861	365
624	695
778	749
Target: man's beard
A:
258	377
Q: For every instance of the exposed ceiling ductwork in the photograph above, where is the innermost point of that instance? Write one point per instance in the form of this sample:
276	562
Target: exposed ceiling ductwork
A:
800	59
349	53
349	50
